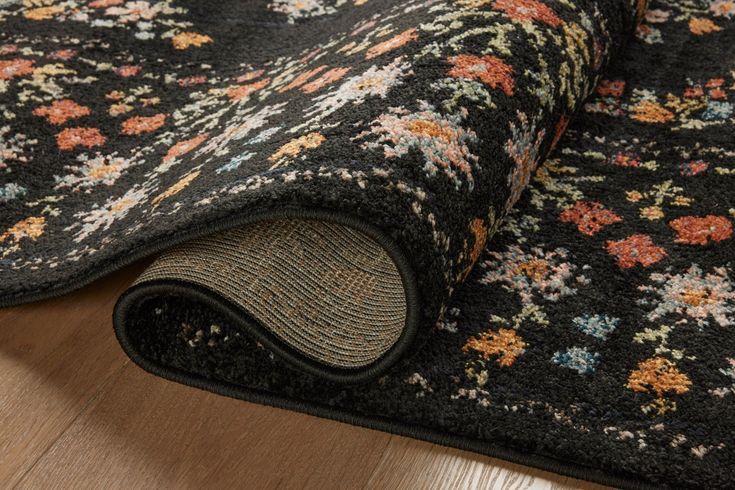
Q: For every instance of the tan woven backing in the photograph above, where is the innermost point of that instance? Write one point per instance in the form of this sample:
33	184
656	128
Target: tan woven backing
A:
327	290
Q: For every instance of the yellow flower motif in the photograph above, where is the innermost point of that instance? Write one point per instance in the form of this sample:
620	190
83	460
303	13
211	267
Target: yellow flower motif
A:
294	147
186	40
652	213
682	201
43	13
651	112
176	188
118	109
633	196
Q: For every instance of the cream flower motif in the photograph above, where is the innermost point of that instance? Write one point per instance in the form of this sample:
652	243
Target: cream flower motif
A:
304	9
101	169
102	217
442	140
374	82
693	295
538	272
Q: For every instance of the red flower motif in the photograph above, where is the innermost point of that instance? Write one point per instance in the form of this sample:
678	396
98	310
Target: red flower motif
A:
623	159
139	124
694	230
70	138
184	147
327	78
693	92
528	10
128	70
61	111
636	249
15	68
239	92
589	216
611	88
191	81
64	54
693	168
489	69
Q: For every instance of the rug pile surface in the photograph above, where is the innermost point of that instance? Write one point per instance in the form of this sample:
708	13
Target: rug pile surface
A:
592	337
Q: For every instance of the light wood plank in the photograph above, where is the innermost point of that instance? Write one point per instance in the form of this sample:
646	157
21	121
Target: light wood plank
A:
408	463
148	433
54	357
75	413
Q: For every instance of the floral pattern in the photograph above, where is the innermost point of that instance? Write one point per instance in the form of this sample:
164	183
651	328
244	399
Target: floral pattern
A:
598	325
132	123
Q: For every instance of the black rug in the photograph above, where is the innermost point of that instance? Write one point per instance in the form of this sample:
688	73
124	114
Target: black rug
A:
594	337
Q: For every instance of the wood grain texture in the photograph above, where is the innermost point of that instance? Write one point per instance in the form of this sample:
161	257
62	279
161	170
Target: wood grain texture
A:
76	413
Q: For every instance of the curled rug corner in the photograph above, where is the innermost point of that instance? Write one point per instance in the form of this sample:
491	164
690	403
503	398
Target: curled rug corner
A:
422	120
334	297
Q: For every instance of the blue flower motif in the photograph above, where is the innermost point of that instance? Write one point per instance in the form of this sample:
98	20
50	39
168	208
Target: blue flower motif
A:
598	326
578	359
717	110
235	162
11	191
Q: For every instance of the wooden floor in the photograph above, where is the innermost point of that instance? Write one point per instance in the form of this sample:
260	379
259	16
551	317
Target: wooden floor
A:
76	413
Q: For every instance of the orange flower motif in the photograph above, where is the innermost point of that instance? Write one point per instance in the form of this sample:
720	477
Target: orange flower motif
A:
479	232
489	69
239	92
184	147
700	27
651	112
393	43
694	230
660	376
302	79
589	216
561	127
15	68
31	228
61	111
139	124
186	40
528	10
505	343
329	77
636	249
70	138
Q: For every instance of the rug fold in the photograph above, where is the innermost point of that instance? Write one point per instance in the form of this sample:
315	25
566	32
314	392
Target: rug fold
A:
427	148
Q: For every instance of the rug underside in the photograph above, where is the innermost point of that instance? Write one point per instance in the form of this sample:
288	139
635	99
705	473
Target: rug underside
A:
321	198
